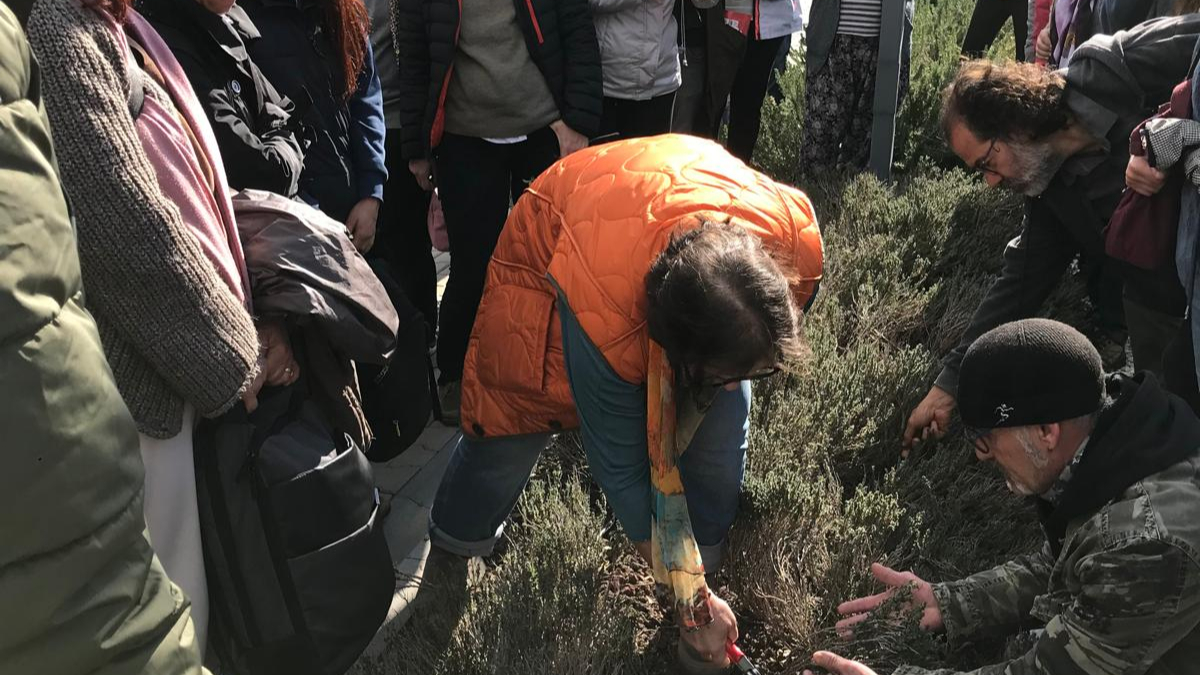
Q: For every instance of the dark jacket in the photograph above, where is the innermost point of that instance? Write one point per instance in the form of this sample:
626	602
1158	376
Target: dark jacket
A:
561	40
345	161
80	588
1113	83
249	117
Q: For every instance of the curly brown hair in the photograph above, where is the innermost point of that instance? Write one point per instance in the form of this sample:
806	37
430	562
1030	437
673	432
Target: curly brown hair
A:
1005	101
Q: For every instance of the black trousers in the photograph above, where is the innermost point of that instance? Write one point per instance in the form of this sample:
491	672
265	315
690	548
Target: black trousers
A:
402	235
746	89
1179	367
477	182
987	20
624	118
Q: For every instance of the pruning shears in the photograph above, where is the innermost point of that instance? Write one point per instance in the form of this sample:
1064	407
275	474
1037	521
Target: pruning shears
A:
740	660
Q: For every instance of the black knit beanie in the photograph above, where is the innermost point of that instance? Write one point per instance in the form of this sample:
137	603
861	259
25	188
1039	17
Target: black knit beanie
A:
1033	371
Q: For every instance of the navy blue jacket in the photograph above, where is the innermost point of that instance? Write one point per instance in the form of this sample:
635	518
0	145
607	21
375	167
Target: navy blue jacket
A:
345	161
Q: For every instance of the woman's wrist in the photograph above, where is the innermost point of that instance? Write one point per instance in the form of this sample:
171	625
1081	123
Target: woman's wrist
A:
692	619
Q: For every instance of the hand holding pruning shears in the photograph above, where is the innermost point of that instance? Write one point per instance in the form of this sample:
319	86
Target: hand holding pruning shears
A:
707	643
740	660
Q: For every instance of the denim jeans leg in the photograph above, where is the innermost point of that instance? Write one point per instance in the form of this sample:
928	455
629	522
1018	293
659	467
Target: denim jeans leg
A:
479	490
712	469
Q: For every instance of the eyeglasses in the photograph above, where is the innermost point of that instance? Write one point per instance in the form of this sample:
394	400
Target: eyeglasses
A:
977	437
984	164
759	375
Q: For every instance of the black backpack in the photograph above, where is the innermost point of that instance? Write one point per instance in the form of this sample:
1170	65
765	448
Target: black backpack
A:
299	573
396	397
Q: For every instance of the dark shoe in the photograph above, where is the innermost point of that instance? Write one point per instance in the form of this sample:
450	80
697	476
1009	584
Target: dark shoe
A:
451	398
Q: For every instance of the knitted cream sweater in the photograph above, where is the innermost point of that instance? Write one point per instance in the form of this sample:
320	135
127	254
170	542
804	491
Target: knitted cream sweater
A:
172	330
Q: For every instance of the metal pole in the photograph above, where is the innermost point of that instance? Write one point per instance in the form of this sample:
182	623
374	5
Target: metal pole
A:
887	89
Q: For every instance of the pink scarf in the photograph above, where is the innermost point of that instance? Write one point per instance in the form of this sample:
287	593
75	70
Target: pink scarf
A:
208	214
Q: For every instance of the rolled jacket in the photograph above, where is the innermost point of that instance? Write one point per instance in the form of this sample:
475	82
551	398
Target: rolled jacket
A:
302	264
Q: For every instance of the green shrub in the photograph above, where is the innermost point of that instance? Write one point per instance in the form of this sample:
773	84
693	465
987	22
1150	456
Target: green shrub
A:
550	607
938	28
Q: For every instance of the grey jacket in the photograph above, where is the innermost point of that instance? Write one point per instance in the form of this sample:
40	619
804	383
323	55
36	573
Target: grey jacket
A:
639	47
822	28
1187	243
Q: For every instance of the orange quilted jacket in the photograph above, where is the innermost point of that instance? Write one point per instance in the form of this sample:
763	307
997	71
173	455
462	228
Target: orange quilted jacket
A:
592	224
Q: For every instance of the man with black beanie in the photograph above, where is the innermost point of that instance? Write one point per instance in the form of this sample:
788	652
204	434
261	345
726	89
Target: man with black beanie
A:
1114	467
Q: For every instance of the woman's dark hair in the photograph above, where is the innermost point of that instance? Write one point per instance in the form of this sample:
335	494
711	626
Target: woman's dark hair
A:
349	28
716	298
1005	100
1187	7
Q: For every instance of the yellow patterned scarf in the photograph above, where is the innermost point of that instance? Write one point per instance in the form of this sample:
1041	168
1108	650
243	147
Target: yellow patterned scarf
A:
677	562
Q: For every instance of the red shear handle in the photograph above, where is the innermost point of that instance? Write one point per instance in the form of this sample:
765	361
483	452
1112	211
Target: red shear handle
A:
734	653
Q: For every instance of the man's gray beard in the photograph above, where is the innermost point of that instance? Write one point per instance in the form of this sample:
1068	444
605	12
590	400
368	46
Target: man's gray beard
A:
1036	164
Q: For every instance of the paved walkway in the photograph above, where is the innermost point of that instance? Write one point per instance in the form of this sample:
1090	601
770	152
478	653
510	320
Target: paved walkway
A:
410	482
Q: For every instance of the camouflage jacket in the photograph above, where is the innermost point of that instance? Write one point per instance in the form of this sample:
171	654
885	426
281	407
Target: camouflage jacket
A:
1123	597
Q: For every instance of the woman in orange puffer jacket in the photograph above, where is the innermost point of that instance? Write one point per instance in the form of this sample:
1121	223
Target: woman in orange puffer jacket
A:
636	290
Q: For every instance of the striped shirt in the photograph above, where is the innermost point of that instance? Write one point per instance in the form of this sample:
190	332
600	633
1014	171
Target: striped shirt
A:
860	17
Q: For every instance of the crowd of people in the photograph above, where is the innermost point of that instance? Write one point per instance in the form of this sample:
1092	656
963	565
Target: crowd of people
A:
613	270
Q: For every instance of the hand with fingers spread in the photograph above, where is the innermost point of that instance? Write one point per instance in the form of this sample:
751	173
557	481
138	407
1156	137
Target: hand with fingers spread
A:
931	417
837	665
858	610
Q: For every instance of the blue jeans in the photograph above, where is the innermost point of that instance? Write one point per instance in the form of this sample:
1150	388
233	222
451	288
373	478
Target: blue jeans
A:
486	476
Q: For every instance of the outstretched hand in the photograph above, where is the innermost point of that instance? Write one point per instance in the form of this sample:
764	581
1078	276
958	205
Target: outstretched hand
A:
836	664
859	610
